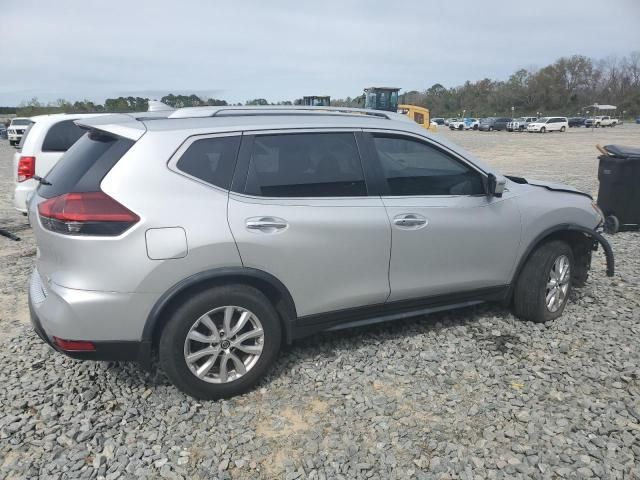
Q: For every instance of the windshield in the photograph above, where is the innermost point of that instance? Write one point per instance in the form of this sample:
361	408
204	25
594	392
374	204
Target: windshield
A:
21	121
543	120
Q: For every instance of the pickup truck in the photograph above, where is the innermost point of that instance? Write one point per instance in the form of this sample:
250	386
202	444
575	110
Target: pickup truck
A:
520	124
601	121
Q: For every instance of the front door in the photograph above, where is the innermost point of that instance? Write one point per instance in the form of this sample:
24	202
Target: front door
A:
448	236
301	213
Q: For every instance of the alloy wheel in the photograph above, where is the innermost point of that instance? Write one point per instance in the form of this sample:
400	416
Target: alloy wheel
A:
558	283
224	344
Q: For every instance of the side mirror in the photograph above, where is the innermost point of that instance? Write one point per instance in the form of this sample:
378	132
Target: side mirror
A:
496	185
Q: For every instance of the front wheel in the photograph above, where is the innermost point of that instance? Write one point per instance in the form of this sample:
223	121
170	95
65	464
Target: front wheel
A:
543	287
491	129
220	342
543	130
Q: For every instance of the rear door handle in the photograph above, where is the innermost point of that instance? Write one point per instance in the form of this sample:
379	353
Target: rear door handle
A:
409	220
266	224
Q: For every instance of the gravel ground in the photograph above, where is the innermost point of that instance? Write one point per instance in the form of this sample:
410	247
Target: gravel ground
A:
474	393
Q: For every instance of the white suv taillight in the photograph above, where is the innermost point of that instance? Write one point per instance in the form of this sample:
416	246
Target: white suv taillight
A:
26	168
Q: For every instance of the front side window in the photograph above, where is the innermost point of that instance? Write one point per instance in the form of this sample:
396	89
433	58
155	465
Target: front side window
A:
305	165
211	160
61	136
412	167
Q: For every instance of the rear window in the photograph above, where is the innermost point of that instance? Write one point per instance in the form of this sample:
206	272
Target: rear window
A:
84	165
211	160
24	136
61	136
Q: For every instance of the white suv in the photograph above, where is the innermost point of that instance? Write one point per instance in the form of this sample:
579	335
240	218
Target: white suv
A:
549	124
46	138
17	128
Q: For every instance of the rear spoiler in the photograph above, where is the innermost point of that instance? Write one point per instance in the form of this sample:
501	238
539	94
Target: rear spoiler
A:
120	124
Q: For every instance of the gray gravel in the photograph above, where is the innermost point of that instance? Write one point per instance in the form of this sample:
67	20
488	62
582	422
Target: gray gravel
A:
469	394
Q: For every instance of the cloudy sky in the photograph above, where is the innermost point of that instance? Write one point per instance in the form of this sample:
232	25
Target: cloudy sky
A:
283	49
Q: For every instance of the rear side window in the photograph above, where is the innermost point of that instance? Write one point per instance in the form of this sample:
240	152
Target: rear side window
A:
211	160
305	165
84	165
61	136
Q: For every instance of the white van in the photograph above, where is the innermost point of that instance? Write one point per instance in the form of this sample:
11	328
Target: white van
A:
43	143
549	124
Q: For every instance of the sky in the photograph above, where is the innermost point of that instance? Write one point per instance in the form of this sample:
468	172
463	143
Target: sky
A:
284	49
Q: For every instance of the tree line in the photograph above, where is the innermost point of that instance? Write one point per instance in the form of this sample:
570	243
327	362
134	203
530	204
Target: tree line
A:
565	87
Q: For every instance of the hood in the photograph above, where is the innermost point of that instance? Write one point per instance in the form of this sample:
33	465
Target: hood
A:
556	187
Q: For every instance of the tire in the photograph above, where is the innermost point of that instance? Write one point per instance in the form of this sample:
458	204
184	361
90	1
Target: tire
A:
461	127
531	291
562	129
12	143
611	224
491	129
186	318
521	129
475	127
543	130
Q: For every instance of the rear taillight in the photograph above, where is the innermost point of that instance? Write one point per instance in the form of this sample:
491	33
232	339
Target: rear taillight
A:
86	213
26	168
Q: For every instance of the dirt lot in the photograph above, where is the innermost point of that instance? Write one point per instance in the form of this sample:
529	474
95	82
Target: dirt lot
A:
469	394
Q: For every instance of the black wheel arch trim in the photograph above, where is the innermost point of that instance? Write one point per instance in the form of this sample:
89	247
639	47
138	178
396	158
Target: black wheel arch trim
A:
567	227
287	306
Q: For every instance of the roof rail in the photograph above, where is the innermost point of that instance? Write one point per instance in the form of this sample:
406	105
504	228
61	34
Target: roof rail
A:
199	112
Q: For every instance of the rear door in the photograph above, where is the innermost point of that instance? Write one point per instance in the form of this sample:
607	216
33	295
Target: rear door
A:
299	210
448	236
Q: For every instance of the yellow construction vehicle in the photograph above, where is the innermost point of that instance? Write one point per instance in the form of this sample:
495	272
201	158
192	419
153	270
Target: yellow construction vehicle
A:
418	114
386	98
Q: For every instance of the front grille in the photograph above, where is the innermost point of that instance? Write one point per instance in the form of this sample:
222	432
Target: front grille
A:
19	132
37	290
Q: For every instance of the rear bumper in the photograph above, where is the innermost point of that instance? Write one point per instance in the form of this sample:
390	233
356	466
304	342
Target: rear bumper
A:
51	315
21	193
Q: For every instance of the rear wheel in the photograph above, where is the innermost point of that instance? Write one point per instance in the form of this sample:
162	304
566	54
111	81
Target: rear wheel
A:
460	127
611	224
491	129
220	342
562	129
543	287
521	129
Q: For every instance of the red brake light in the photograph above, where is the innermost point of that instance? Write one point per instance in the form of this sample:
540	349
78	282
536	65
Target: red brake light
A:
26	168
86	213
74	345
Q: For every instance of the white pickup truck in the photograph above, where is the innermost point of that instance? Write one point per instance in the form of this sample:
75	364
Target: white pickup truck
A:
601	121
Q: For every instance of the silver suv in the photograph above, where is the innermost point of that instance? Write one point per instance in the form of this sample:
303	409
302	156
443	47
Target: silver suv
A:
211	236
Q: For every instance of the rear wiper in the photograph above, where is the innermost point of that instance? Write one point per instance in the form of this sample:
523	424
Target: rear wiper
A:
41	180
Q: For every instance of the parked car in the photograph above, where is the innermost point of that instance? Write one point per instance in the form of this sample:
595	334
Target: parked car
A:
638	119
17	128
549	124
447	121
438	120
519	124
464	124
493	123
46	139
601	121
3	131
576	121
216	234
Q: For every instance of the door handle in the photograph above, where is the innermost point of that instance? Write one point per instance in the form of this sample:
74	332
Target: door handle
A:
409	220
266	224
